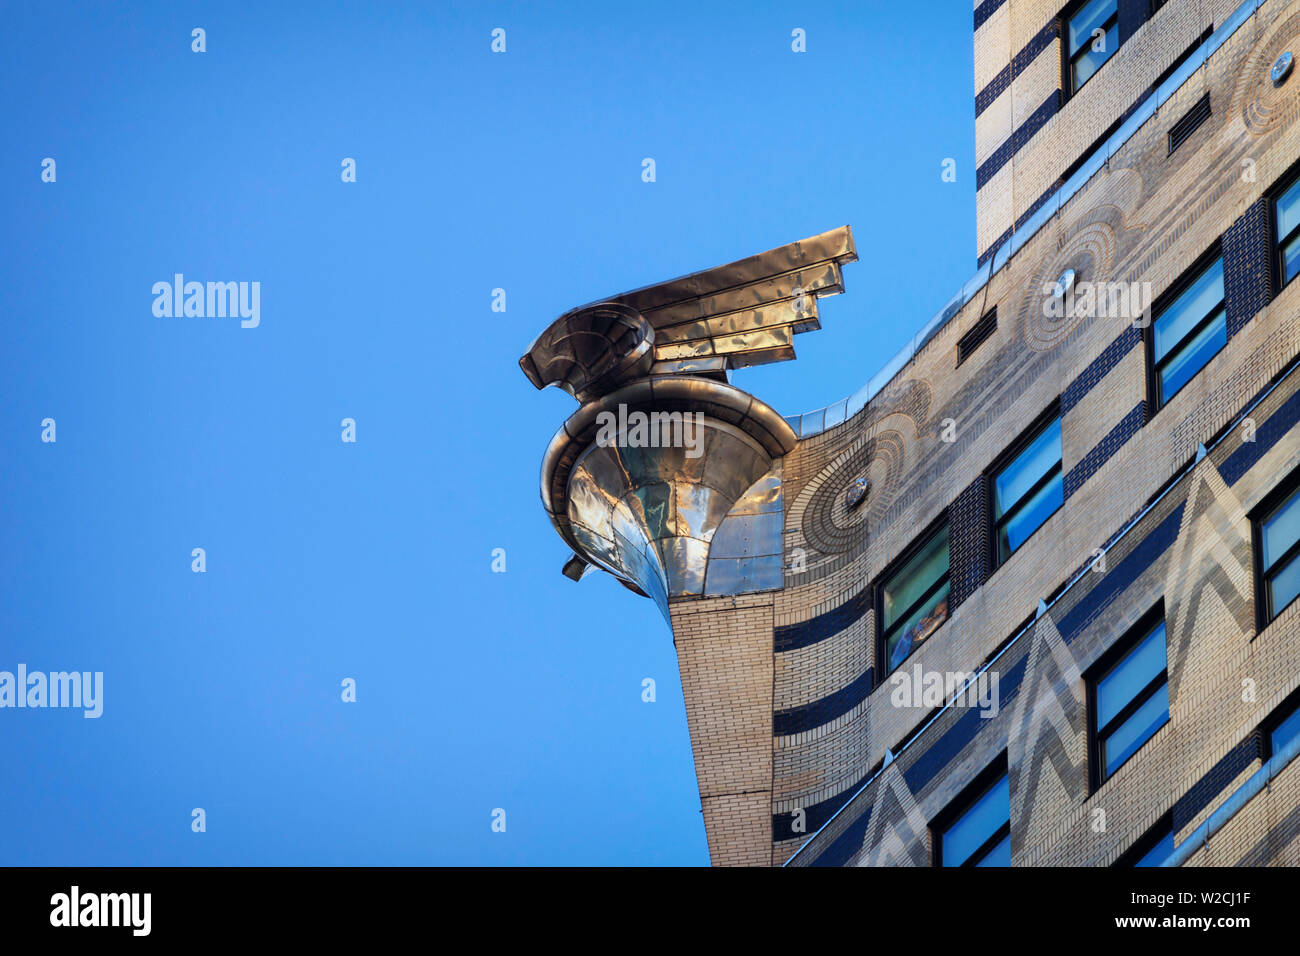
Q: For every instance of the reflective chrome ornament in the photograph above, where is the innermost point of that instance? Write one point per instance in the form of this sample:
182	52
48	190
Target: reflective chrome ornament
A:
591	351
648	515
1281	68
1064	284
856	493
665	522
733	316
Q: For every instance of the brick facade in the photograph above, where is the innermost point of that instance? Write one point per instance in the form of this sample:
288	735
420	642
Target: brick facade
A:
797	743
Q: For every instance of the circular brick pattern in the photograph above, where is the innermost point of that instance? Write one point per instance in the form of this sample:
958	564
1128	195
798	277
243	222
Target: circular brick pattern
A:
828	525
1090	252
1264	105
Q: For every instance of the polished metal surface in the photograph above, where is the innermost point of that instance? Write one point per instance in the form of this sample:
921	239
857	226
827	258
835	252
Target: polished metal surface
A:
733	316
591	351
648	515
856	493
1281	68
746	553
679	519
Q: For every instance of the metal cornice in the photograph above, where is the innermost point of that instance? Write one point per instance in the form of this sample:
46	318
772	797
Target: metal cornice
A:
716	400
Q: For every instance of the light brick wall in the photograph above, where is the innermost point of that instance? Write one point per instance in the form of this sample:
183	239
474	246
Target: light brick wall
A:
724	652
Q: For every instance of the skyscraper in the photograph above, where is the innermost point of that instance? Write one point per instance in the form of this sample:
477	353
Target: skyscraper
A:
1027	597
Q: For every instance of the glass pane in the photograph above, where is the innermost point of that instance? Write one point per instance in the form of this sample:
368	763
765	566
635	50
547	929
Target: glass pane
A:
924	622
1137	730
1028	519
1158	853
1288	210
1000	855
1182	315
1089	61
1280	530
977	824
1192	357
916	577
1291	253
1030	465
1286	732
1126	679
1088	19
1284	587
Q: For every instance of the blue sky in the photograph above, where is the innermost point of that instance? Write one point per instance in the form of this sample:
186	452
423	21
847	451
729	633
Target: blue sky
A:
372	560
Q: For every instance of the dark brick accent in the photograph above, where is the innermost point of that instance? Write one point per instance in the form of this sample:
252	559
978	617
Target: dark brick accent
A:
796	720
846	844
1037	44
996	161
1266	436
1018	138
1038	204
1099	368
1115	439
1247	272
993	247
996	86
968	542
986	10
816	815
1202	792
1132	14
1046	110
1120	576
925	764
789	637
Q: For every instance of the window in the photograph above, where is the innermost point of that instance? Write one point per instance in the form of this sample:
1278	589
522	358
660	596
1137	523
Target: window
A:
1189	331
1129	697
914	598
1283	727
977	831
1286	211
1081	39
1153	848
1028	490
1278	554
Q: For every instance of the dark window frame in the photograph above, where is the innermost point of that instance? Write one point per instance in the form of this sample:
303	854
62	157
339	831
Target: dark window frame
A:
1276	258
1026	438
965	799
1103	666
1067	88
1285	489
914	547
1147	842
1155	401
1290	704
